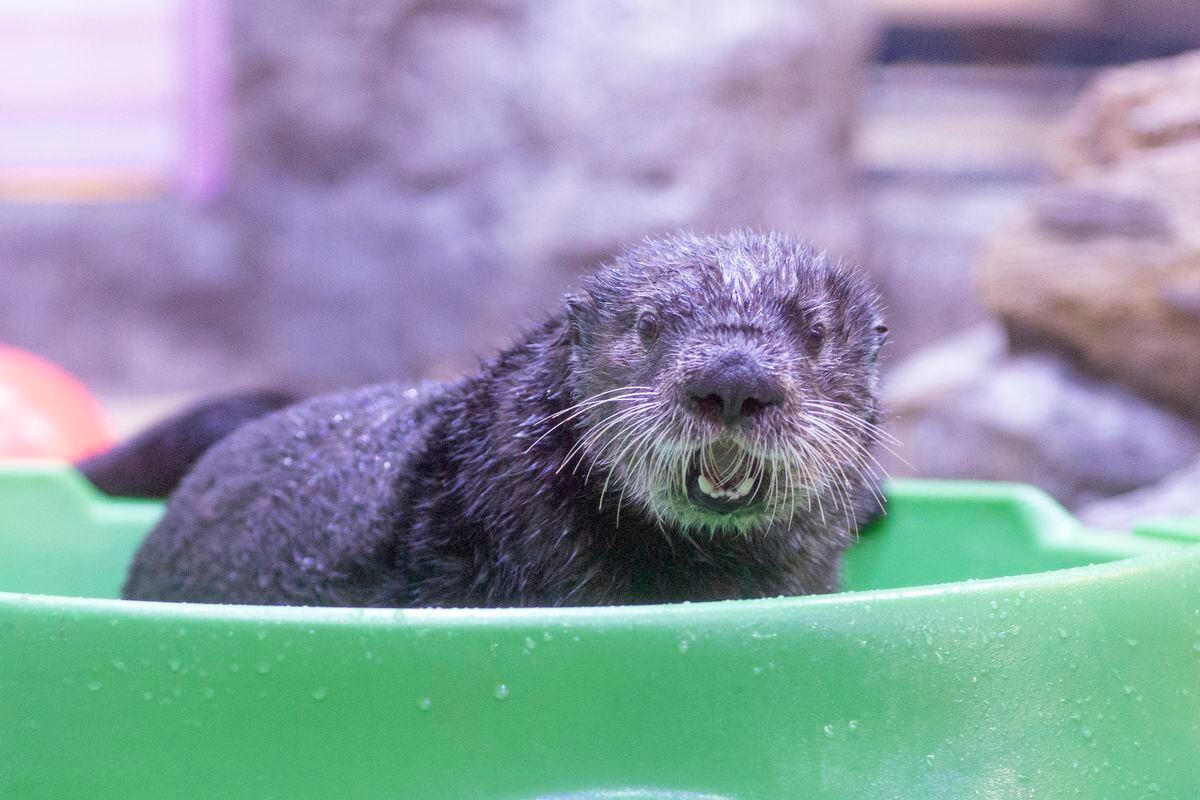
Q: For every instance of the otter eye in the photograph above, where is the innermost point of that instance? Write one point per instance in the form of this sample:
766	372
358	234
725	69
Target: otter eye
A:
815	335
881	330
647	327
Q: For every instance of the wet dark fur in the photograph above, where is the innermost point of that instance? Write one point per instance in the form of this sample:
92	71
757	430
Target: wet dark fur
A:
464	495
154	462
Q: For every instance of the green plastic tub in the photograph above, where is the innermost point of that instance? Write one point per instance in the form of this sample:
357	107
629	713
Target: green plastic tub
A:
977	655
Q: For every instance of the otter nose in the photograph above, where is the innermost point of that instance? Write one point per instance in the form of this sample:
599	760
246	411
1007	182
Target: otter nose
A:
733	387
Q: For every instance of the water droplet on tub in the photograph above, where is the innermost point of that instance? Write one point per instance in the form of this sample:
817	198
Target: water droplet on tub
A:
119	665
320	693
94	686
683	645
174	664
424	703
828	730
1131	642
501	691
263	667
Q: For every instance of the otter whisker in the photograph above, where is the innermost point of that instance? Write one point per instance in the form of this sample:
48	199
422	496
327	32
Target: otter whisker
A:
785	485
813	478
597	397
683	462
806	469
632	438
841	410
631	423
857	457
853	451
585	406
735	469
627	424
838	434
882	437
807	463
780	488
595	434
833	447
856	450
638	444
841	457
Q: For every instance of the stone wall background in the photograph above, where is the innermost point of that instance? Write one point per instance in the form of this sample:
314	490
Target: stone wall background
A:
411	180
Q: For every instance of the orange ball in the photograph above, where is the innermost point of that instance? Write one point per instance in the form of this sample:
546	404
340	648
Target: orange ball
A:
45	412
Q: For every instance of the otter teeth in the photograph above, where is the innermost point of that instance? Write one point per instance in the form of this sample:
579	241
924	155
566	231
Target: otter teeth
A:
736	493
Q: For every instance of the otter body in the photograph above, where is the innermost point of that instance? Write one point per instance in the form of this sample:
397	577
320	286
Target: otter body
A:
694	425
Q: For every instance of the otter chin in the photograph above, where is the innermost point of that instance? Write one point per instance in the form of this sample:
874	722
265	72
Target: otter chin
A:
695	423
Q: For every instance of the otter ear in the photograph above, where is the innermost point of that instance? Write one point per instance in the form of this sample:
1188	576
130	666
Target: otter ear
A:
879	339
579	314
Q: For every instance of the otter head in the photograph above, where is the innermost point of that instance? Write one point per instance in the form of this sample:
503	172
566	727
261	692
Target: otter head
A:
723	383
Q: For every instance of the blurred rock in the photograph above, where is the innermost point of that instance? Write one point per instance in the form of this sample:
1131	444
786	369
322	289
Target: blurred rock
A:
1106	262
1177	495
1169	23
948	153
415	177
965	409
413	180
147	295
1138	107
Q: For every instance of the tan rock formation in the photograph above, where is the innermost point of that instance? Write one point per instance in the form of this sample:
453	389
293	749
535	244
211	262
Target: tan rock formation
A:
1105	263
1142	106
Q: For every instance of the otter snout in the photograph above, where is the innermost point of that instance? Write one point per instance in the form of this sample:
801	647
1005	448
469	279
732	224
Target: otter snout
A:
732	386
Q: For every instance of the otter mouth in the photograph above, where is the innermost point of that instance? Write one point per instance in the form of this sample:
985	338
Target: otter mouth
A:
723	480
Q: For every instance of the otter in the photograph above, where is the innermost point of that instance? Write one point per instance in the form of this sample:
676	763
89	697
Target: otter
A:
696	423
